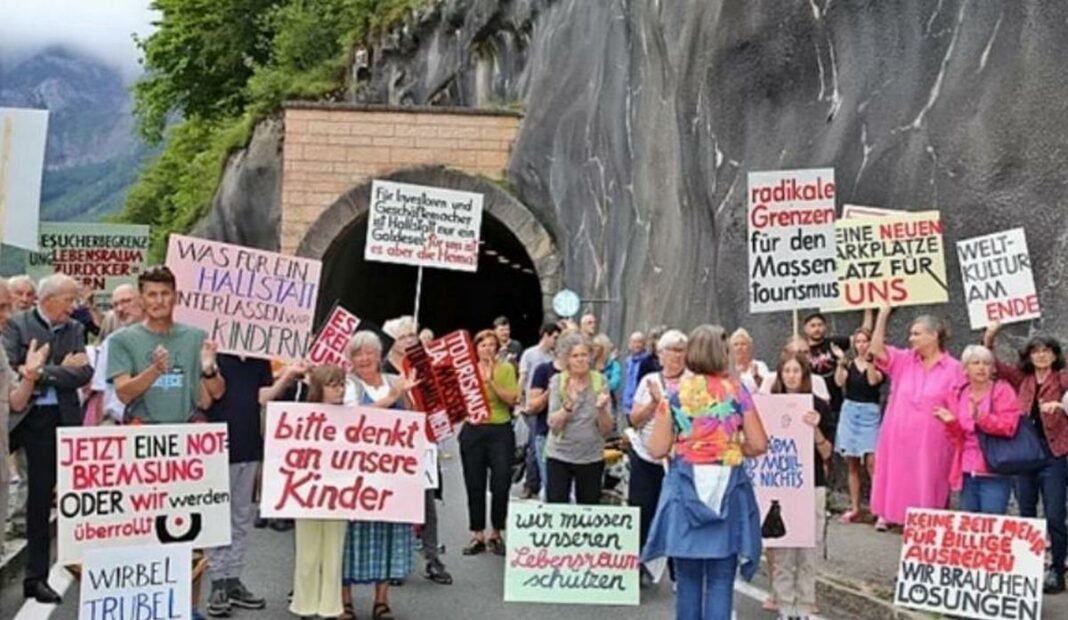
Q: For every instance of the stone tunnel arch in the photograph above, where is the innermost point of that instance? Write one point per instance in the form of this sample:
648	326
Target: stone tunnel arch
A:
519	267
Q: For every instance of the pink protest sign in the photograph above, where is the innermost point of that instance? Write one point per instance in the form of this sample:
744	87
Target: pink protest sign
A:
784	476
329	345
343	462
251	302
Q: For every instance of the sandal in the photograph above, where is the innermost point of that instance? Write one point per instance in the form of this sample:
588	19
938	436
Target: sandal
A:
496	546
881	525
382	611
347	612
851	516
475	547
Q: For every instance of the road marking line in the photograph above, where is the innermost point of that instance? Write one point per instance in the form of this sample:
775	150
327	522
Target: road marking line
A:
60	580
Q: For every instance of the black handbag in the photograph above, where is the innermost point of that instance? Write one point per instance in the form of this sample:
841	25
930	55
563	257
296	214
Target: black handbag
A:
1023	453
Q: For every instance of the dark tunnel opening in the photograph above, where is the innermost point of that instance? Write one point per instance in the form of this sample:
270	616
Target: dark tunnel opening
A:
505	284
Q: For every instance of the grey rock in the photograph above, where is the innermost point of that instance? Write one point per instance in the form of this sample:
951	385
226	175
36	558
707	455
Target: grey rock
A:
642	118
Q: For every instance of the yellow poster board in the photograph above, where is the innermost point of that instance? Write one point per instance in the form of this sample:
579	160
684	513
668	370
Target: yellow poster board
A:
897	260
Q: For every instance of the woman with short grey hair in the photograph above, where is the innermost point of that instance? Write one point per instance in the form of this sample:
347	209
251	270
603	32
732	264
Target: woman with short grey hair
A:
580	416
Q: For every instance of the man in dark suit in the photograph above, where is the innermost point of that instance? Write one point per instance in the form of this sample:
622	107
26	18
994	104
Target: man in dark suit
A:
54	404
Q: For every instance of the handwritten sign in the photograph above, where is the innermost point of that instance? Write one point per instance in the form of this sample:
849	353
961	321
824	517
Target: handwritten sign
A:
121	486
971	565
23	134
897	259
791	239
450	383
423	226
250	302
99	256
561	553
137	583
998	282
784	477
329	346
342	462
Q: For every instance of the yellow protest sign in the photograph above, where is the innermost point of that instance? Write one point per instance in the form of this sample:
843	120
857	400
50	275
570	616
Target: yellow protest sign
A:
895	259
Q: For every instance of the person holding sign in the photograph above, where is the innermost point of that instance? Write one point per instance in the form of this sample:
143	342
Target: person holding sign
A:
793	579
580	415
490	446
375	551
1041	382
981	405
858	424
319	543
914	453
708	519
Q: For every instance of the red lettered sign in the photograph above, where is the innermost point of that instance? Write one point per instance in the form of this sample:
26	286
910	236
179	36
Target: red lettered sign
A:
450	384
330	343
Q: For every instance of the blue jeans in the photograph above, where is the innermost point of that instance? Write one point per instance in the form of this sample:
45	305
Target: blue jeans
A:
705	588
1050	484
534	479
986	494
539	452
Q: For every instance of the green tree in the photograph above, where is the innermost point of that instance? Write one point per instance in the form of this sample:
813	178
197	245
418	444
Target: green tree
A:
199	60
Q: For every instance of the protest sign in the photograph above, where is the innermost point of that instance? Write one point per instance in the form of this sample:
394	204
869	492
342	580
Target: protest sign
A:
343	462
784	476
99	256
137	583
423	226
849	211
121	486
890	259
251	302
329	346
23	134
971	565
998	282
450	383
562	553
791	239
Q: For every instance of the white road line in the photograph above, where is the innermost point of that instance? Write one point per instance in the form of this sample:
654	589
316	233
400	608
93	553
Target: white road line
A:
748	590
60	580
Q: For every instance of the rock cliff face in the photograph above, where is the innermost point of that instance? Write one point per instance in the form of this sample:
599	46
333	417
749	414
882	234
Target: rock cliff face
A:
642	118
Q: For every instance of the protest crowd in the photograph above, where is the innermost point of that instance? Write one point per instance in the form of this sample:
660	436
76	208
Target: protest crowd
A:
680	421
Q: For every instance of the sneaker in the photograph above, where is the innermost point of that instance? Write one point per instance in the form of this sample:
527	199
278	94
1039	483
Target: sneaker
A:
1054	583
219	602
240	596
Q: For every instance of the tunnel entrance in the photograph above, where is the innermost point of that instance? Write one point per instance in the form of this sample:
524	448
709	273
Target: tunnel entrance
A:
518	267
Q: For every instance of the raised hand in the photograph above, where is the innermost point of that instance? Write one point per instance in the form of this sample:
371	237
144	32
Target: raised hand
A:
297	370
603	399
36	357
837	351
207	354
161	359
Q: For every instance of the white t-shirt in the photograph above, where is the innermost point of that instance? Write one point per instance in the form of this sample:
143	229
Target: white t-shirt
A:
374	393
643	397
819	386
749	380
111	406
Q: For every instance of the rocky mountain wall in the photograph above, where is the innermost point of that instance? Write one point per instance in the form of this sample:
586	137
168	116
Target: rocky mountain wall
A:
642	118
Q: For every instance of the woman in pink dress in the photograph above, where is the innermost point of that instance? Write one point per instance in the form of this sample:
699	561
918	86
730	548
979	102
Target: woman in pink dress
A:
914	454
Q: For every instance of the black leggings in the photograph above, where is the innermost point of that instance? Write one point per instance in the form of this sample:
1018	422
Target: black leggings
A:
487	447
588	479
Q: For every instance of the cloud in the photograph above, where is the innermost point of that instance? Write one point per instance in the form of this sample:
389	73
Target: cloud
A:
101	28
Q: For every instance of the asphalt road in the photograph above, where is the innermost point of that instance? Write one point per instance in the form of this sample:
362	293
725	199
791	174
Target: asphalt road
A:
477	591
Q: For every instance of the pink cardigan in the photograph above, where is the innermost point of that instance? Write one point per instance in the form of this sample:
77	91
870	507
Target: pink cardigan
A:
999	416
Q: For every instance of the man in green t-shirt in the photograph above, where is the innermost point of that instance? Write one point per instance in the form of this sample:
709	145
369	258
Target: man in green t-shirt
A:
163	371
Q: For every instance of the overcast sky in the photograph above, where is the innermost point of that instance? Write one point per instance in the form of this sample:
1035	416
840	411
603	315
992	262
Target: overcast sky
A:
99	27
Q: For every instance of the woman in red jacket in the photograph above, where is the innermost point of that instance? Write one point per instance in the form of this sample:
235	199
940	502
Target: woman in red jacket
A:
981	404
1041	381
